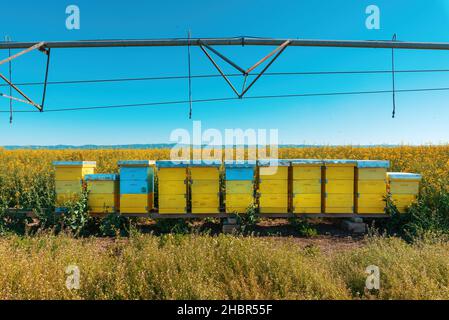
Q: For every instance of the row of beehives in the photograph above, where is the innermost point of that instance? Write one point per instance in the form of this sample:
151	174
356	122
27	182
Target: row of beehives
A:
272	186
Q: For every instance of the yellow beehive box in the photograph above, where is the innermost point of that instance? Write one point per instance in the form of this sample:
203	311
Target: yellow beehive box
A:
169	211
167	173
339	203
62	198
372	169
204	200
274	172
306	186
73	170
404	182
403	201
273	187
371	200
239	201
307	201
304	169
172	201
172	187
98	200
404	189
102	187
70	187
239	186
204	173
339	186
135	203
205	186
273	201
340	169
372	187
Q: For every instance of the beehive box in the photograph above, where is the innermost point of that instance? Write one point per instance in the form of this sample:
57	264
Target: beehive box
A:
103	191
339	186
172	186
371	186
306	186
204	178
69	177
273	186
404	188
239	182
136	186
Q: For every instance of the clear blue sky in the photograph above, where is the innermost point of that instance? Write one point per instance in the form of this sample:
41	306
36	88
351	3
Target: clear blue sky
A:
421	117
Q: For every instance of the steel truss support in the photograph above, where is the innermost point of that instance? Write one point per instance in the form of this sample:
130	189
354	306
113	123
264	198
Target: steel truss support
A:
41	47
277	52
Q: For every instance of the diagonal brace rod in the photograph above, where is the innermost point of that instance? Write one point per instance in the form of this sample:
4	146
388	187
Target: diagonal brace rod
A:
219	70
36	46
21	92
279	51
281	47
232	63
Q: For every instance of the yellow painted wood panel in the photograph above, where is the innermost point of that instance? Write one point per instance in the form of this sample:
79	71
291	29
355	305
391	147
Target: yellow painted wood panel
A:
273	186
372	173
72	173
236	187
102	187
339	200
273	210
304	210
372	186
167	187
102	200
404	187
307	201
68	186
134	201
306	172
273	200
373	210
239	200
172	201
205	201
205	186
172	174
307	186
340	172
204	173
371	200
273	173
340	186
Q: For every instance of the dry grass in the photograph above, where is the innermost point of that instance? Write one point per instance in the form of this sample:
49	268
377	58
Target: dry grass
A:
221	267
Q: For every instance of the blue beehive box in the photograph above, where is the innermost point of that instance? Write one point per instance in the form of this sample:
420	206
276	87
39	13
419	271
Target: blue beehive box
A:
136	176
239	171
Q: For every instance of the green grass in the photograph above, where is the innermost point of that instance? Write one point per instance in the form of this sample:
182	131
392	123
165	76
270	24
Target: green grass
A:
220	267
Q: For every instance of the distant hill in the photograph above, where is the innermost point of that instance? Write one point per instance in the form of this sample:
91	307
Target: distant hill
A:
152	146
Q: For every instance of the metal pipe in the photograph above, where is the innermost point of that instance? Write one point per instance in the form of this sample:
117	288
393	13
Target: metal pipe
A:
232	42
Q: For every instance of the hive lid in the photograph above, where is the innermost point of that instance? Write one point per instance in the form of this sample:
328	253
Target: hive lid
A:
74	163
136	163
298	162
172	163
101	177
205	163
403	176
373	163
273	163
340	162
240	163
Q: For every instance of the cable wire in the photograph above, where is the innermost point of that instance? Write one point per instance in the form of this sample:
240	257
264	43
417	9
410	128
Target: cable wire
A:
205	76
175	102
